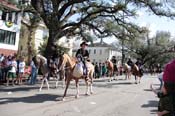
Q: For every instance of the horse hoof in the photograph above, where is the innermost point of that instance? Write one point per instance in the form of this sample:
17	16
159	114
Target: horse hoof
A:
92	92
86	94
63	99
77	96
39	90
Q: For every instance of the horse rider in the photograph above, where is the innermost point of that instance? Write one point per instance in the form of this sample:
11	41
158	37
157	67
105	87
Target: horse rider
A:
130	63
82	55
114	61
139	64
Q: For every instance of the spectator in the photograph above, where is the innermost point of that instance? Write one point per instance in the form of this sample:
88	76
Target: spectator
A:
5	68
100	69
1	57
34	73
104	69
169	72
166	100
21	69
12	72
96	70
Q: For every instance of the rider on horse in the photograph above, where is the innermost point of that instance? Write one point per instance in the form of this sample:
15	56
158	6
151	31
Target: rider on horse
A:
82	55
114	61
130	63
139	64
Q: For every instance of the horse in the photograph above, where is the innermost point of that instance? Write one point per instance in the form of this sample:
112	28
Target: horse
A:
70	63
127	70
110	68
134	70
41	62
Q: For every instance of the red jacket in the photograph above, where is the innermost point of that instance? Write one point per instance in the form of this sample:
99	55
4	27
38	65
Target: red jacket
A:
169	72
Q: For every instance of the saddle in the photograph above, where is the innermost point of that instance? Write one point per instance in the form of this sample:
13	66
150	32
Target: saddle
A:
78	70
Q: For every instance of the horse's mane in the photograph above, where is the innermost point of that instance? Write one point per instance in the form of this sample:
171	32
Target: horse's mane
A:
68	59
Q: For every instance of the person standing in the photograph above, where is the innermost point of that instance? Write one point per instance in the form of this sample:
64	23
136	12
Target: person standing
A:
12	72
104	70
33	73
21	69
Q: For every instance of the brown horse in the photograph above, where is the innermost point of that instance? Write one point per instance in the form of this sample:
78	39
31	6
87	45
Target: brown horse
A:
70	63
134	70
110	68
127	70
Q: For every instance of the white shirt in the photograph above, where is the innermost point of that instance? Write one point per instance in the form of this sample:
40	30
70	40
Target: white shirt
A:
22	66
14	66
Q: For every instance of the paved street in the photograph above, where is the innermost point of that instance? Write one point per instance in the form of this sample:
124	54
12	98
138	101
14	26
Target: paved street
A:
116	98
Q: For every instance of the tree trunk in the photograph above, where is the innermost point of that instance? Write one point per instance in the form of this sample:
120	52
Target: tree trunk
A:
49	51
29	46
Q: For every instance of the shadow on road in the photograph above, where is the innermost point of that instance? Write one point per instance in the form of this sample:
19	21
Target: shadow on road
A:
38	98
112	84
151	103
19	88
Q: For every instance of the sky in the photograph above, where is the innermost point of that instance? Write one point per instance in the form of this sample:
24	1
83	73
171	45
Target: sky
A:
153	22
156	23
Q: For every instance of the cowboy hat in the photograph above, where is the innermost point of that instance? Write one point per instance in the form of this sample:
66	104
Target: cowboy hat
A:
83	43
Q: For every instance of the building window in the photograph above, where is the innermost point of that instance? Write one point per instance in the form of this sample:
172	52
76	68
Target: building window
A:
89	51
16	18
100	52
95	51
4	15
10	17
7	37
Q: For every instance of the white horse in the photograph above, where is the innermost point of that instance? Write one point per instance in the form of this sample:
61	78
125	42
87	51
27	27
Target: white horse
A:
41	62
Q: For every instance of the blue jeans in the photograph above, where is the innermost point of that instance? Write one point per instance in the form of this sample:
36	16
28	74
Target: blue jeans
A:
33	76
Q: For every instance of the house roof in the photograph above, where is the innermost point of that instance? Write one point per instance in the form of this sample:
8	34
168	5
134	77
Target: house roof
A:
102	44
8	5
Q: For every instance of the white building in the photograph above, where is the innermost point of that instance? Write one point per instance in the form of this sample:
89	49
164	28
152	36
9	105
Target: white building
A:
100	52
10	24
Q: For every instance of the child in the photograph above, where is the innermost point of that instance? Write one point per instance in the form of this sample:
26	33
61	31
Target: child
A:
166	102
21	69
